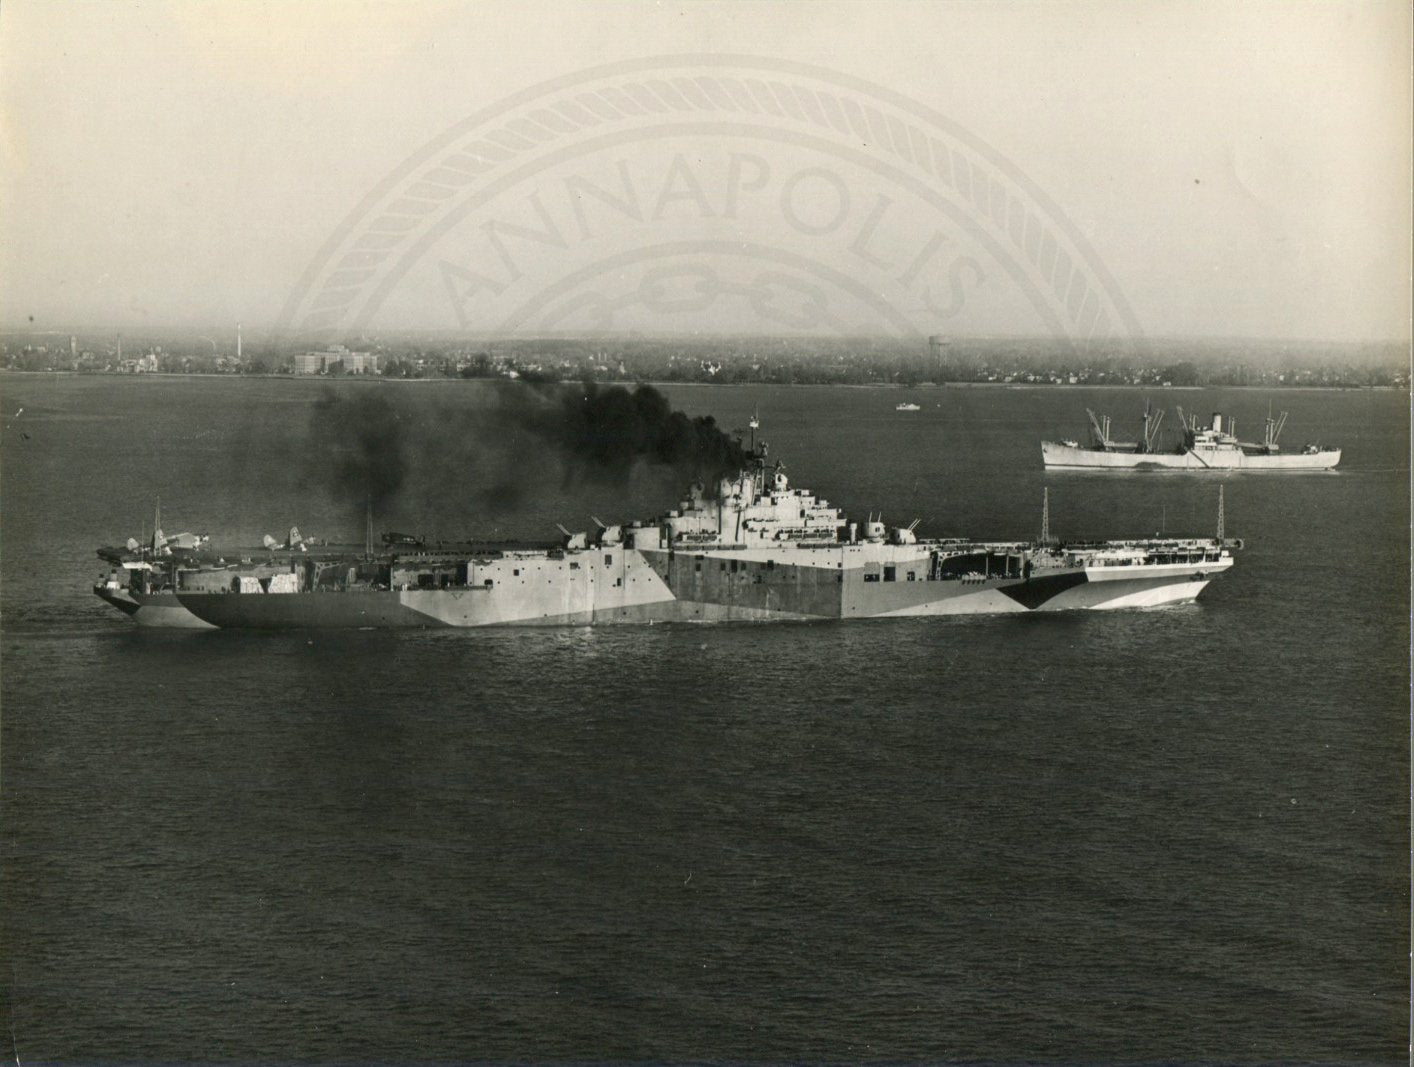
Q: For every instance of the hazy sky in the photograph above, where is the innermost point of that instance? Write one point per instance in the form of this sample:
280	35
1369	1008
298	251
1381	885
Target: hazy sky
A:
1237	170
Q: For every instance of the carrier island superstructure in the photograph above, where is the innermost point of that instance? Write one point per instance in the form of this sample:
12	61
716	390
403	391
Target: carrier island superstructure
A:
754	548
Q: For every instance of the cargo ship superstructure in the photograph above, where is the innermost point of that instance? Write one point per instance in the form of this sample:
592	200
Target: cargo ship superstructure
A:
1211	447
753	548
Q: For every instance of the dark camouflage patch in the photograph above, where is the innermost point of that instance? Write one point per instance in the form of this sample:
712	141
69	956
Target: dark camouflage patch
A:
1036	591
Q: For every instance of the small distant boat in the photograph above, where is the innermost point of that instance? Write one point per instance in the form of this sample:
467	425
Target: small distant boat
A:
908	407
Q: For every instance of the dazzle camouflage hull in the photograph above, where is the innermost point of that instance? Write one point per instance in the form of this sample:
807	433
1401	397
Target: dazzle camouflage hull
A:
655	586
161	608
754	549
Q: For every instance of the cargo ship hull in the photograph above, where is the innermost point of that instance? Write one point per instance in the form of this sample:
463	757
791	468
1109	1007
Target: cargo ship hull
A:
1060	456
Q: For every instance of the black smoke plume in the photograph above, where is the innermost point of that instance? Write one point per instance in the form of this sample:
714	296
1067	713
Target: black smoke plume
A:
601	432
365	441
513	441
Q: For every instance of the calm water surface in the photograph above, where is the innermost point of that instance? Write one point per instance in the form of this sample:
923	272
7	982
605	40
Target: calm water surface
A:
1175	835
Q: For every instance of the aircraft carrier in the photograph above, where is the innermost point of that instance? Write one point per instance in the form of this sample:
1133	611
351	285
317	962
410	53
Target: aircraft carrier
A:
754	548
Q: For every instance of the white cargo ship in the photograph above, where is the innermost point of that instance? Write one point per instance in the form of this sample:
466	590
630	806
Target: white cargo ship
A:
1211	447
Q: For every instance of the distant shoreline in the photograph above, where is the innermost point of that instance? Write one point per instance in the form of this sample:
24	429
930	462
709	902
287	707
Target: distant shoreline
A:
9	372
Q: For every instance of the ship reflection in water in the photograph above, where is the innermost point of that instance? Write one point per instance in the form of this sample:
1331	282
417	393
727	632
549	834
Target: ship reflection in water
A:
756	549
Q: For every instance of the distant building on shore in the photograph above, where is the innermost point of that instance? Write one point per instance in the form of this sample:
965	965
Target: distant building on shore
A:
141	365
336	356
